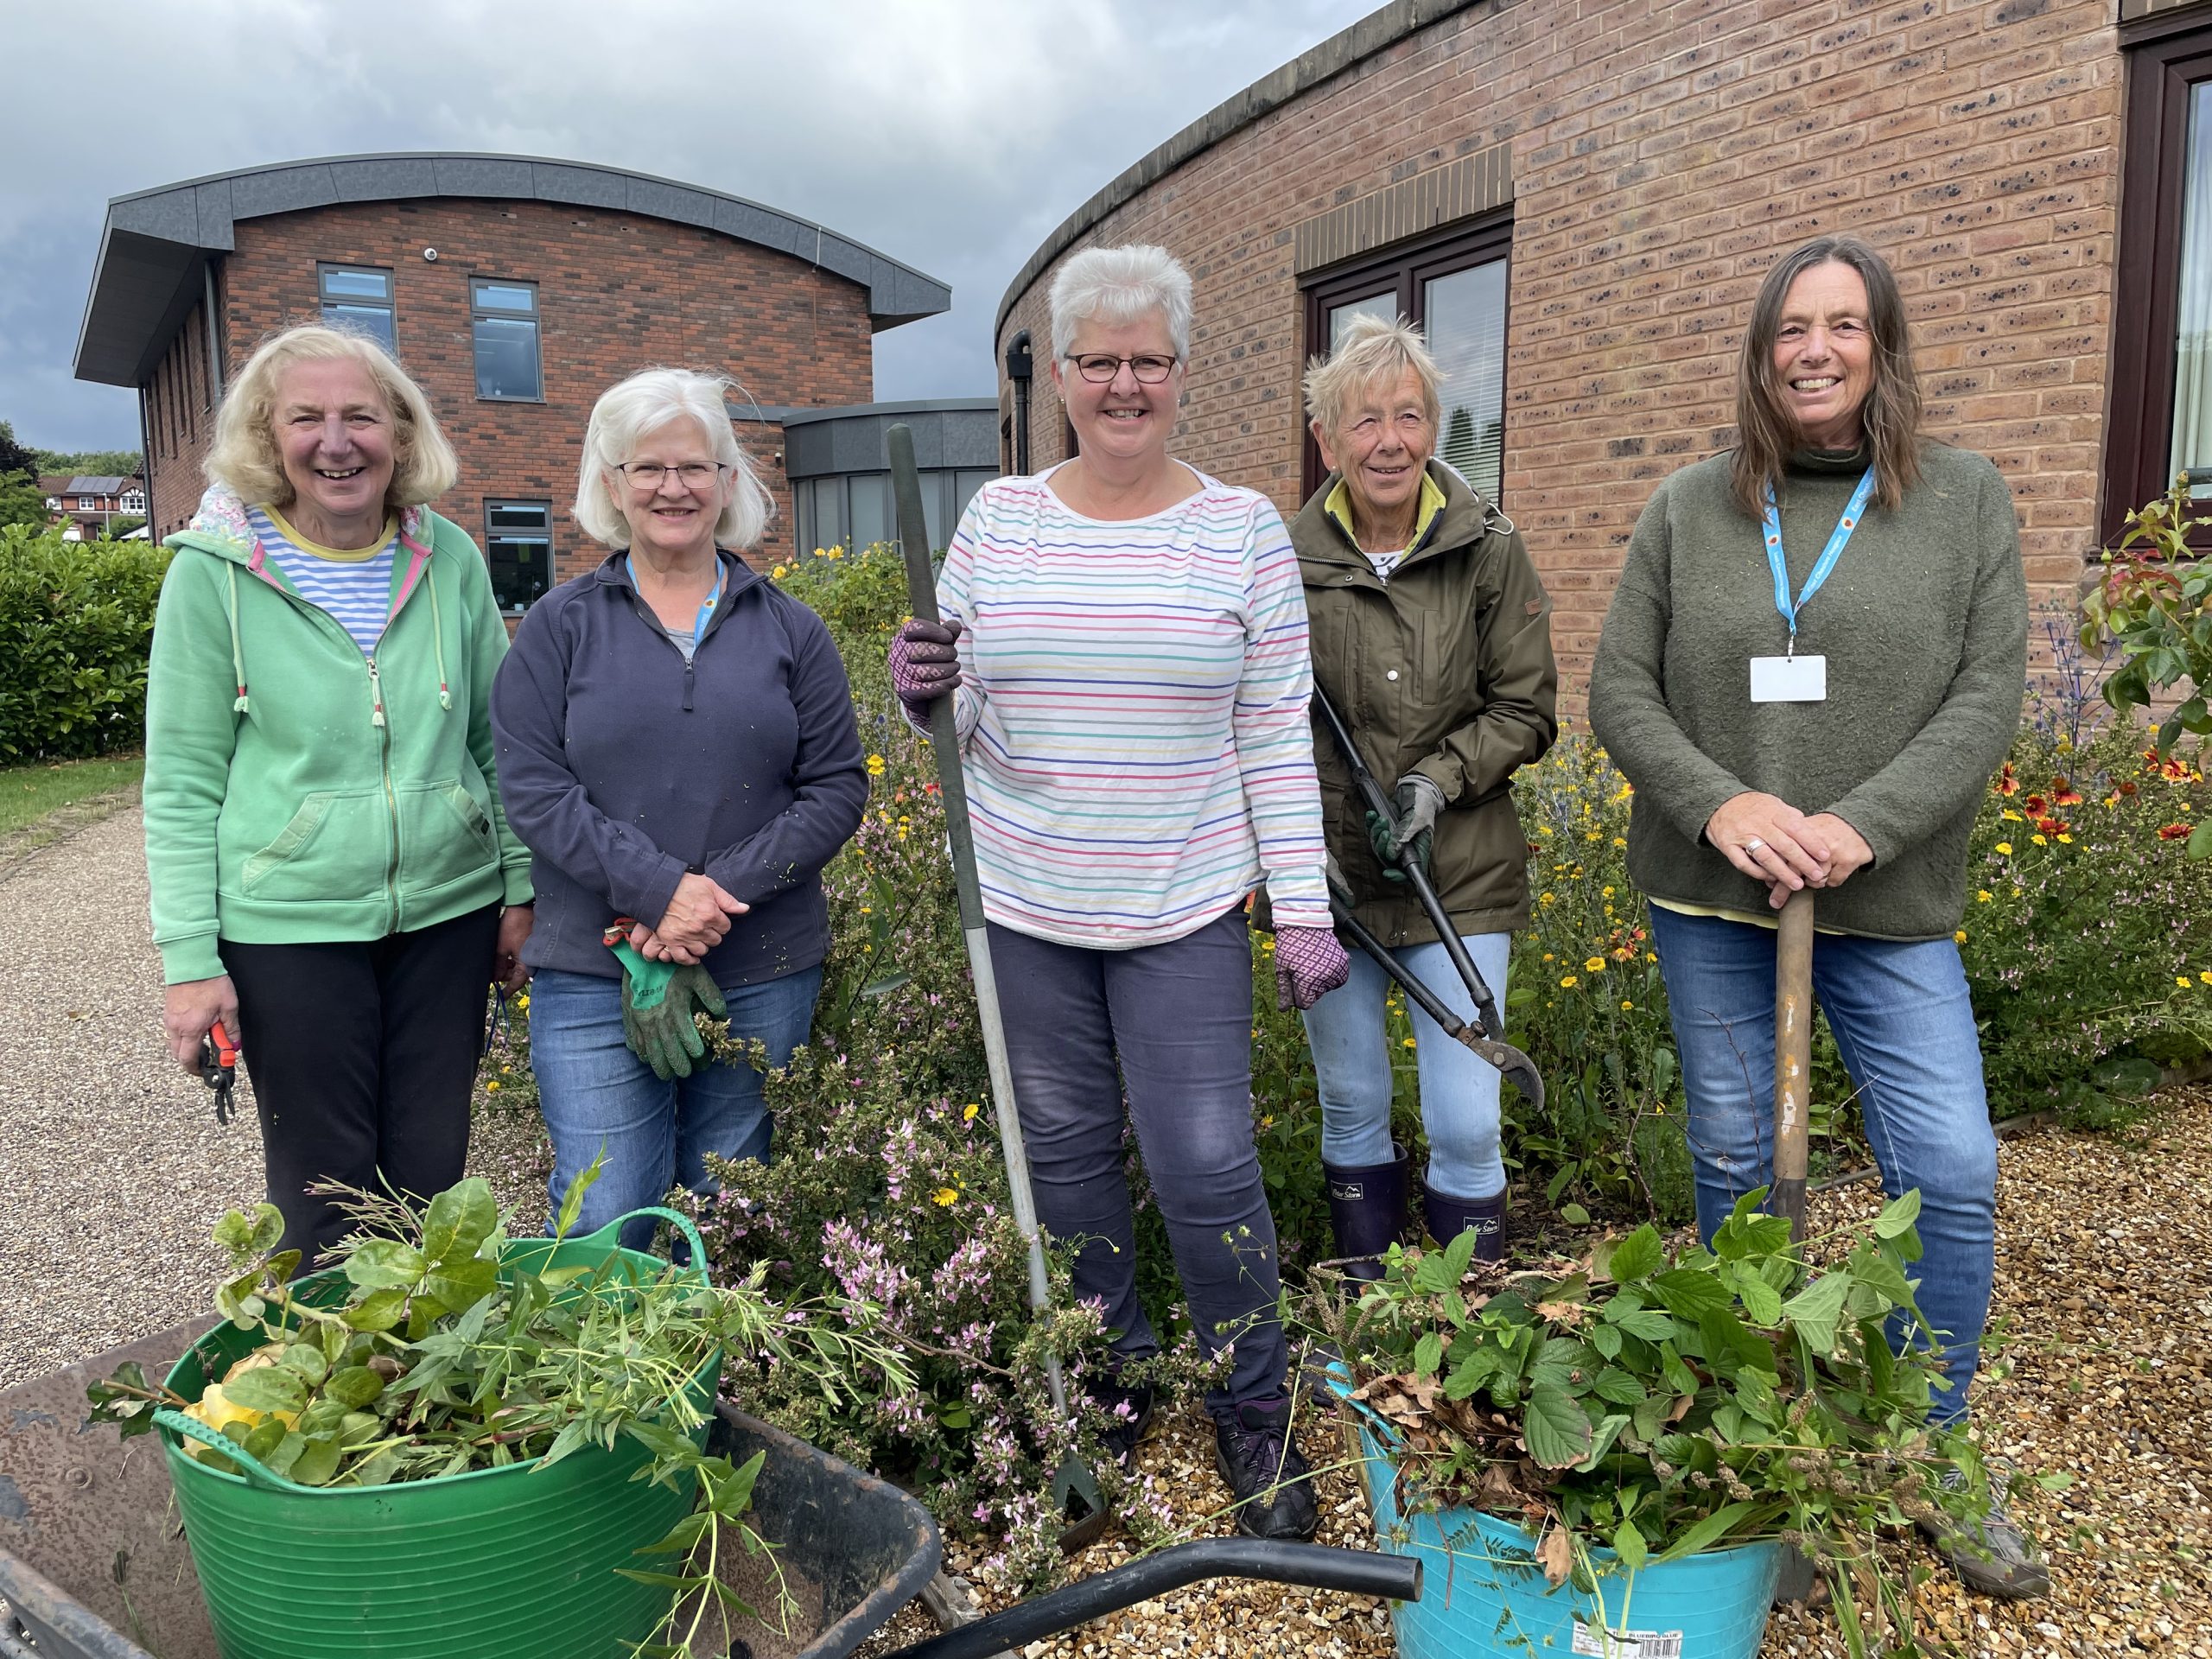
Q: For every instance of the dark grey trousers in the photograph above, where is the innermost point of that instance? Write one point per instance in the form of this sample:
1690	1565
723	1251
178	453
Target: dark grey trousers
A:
1177	1017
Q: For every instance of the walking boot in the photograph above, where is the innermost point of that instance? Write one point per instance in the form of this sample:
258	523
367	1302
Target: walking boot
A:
1367	1211
1268	1479
1449	1217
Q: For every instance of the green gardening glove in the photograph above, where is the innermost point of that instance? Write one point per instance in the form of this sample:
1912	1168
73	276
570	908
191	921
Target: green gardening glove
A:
1409	827
659	1003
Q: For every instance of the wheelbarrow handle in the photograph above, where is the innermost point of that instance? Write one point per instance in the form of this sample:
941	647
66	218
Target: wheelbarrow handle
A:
1353	1571
250	1468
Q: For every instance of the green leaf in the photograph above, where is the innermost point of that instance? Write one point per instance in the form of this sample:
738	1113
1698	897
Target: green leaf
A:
1679	1377
353	1387
1651	1324
680	1537
1428	1354
1815	1310
317	1462
384	1264
2056	1483
1629	1545
458	1222
1602	1441
1575	1215
268	1228
1555	1428
1707	1532
572	1203
306	1358
1458	1253
267	1388
1761	1302
1606	1339
378	1311
1897	1214
1616	1385
1689	1292
1472	1372
1433	1274
2200	840
462	1283
1638	1257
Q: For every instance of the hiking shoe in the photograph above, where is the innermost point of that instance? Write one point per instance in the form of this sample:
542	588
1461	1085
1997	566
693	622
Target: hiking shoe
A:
1267	1477
1128	1415
1991	1558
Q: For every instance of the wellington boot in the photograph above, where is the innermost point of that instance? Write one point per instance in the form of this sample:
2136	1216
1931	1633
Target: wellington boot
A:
1448	1217
1367	1211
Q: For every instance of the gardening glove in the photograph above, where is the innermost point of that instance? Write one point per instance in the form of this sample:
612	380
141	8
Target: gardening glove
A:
1309	964
659	1001
925	665
1409	827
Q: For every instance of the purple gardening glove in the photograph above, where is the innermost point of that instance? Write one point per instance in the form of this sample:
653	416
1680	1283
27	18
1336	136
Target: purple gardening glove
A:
925	665
1309	964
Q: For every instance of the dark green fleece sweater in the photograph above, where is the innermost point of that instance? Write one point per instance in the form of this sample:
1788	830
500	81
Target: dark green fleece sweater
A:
1923	622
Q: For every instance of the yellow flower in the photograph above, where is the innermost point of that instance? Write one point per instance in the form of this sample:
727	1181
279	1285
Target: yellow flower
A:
1567	983
2039	841
493	1087
1981	896
1959	937
875	765
2005	848
2207	978
1606	893
1626	1006
1548	955
1543	898
1595	965
2009	816
944	1197
2067	841
1620	840
2181	980
776	575
968	1112
1405	1042
1651	956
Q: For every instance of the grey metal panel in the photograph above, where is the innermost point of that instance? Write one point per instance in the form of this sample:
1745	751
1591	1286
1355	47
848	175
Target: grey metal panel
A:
750	222
140	279
384	178
172	215
673	202
281	190
500	177
907	294
971	438
856	446
210	202
846	258
582	187
807	450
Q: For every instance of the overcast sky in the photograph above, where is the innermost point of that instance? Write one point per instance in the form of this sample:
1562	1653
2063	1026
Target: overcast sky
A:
952	134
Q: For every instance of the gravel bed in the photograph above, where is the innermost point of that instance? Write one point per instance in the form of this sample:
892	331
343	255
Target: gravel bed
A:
116	1171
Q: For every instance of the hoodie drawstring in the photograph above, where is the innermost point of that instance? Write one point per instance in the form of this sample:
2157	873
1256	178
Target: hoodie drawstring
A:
438	633
238	653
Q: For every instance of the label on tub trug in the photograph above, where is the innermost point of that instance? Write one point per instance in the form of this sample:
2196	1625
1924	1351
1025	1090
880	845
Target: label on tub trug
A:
1626	1644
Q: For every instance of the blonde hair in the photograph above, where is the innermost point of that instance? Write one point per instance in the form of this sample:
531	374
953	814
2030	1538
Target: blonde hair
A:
1373	351
646	401
1121	285
245	457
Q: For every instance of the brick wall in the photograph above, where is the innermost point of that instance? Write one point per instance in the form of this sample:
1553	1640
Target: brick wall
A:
180	420
1663	153
616	292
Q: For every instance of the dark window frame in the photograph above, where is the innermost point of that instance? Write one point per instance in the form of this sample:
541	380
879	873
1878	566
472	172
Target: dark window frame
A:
479	312
514	504
325	299
2167	59
1409	265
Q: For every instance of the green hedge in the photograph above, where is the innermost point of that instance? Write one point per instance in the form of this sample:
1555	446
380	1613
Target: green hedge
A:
76	618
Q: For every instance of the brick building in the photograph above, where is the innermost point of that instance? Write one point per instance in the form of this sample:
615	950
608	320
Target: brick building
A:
513	290
89	504
1579	198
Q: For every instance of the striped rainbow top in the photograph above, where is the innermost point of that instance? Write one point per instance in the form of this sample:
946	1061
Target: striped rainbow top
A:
354	587
1132	715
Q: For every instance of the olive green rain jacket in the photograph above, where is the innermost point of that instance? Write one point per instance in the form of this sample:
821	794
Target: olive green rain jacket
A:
1445	670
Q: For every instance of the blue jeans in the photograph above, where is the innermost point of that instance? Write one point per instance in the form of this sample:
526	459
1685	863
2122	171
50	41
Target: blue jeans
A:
1459	1092
1904	1024
599	1097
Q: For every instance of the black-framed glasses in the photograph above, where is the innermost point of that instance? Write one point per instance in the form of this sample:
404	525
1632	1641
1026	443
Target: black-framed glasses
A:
1100	367
694	474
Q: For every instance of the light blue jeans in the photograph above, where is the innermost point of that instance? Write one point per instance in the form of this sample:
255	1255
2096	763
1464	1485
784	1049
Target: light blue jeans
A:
1904	1024
1458	1093
598	1096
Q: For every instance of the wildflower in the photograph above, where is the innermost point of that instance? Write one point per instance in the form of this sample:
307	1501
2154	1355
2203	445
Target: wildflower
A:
1959	937
1548	955
1981	896
2036	806
2181	980
1567	983
1595	965
2005	847
2040	841
1620	840
1545	898
2006	784
2065	838
1606	893
944	1197
493	1087
875	765
968	1112
2172	831
1405	1042
2063	793
1651	956
2175	772
2206	977
1627	1007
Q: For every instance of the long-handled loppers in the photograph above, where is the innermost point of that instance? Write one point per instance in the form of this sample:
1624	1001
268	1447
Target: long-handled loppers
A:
1489	1041
1075	1488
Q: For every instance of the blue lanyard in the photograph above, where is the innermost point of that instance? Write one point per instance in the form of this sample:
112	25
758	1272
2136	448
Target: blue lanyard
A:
1821	566
706	610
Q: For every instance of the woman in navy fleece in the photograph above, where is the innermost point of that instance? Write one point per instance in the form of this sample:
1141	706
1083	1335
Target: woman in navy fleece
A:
677	749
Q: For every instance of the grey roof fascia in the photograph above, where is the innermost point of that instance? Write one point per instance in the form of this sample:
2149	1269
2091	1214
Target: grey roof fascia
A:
127	323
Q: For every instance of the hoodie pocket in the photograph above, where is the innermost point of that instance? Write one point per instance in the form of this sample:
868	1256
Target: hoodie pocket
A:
445	835
330	845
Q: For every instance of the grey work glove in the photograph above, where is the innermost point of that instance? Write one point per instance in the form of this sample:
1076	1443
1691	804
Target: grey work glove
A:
1410	826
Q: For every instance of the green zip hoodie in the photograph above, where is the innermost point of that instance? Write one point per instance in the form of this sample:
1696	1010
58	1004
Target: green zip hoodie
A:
298	791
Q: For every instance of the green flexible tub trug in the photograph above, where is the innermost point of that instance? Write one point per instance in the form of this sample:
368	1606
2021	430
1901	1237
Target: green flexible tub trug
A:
512	1563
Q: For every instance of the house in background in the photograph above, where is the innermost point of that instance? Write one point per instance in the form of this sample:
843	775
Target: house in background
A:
88	504
1578	198
513	290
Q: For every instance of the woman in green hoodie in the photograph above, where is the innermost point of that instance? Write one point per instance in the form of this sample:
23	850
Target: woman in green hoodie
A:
333	879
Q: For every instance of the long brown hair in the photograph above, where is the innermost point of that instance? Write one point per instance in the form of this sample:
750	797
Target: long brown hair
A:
1765	433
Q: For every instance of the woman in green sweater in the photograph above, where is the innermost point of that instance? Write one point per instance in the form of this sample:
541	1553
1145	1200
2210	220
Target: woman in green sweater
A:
1813	663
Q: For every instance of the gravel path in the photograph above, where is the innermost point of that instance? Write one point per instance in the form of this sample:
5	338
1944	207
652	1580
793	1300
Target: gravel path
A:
115	1170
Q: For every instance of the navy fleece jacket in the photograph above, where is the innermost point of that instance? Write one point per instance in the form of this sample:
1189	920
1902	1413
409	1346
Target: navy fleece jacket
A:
622	766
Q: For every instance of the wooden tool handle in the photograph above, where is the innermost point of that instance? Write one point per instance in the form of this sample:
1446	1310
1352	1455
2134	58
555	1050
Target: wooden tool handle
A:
1793	1057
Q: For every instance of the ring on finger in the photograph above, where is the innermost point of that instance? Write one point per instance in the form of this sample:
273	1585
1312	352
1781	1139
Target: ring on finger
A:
1753	846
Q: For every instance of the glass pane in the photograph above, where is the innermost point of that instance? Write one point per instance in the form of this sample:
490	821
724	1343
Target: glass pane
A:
935	487
1384	305
504	296
507	358
2192	450
374	321
803	516
356	284
964	490
870	519
517	515
829	512
1464	315
521	569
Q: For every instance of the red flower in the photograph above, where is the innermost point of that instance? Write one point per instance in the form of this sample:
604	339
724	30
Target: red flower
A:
2173	832
2063	793
2053	826
2006	784
2036	806
2175	772
2126	788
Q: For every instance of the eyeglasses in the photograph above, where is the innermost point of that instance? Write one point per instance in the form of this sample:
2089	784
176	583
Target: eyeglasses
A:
1100	367
648	475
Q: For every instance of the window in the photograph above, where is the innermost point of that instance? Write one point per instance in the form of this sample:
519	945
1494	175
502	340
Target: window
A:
503	321
133	501
359	298
2161	425
519	546
1453	286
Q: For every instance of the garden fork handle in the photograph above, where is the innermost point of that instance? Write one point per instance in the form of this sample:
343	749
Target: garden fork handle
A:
1793	1059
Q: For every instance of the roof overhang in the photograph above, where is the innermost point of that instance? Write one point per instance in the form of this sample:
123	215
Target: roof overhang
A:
155	244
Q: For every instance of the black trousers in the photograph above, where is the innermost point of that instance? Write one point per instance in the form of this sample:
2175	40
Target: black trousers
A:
362	1056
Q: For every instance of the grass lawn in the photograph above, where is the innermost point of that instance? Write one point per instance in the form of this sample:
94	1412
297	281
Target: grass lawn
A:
29	793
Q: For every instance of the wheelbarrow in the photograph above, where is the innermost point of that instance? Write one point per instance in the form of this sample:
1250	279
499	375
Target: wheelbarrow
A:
93	1565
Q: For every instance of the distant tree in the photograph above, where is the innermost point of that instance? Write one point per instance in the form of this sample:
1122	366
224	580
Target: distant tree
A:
21	502
14	458
94	463
121	526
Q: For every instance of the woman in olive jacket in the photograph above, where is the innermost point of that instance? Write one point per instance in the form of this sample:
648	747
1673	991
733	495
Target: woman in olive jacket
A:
1431	639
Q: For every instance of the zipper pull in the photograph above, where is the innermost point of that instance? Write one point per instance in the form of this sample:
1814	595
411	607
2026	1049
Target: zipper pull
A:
376	695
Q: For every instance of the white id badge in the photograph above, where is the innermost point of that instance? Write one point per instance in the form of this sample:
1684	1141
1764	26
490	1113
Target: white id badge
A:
1789	679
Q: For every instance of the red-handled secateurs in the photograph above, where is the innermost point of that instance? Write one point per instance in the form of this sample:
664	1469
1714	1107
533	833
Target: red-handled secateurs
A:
218	1068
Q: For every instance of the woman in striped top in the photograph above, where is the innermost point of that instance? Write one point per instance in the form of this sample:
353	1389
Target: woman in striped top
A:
1126	640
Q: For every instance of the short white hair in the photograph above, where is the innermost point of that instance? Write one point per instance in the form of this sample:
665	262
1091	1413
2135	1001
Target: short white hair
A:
1121	285
646	401
1375	351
